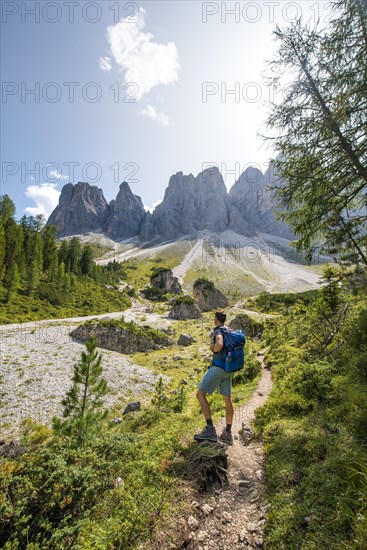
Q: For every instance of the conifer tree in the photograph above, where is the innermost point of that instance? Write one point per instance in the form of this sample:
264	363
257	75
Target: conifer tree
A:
83	413
12	281
73	255
7	209
320	133
86	261
2	252
49	233
36	263
159	396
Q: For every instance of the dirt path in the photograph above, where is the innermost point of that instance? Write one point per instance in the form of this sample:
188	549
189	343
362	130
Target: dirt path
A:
234	516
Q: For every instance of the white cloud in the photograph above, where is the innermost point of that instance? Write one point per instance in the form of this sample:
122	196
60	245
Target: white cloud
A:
57	175
151	208
151	112
105	64
142	60
46	197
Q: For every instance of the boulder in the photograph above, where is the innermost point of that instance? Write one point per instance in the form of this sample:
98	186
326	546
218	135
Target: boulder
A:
249	326
164	280
185	340
208	296
125	339
185	308
133	406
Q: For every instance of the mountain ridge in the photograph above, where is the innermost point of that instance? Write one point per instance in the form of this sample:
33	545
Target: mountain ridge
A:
190	204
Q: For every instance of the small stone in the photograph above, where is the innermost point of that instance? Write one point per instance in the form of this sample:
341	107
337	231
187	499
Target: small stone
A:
131	407
195	504
243	483
259	474
192	523
207	509
185	340
118	482
226	517
242	537
260	393
184	382
117	420
201	536
259	542
252	527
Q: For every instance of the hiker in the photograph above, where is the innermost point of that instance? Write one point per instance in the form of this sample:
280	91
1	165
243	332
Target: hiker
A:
215	377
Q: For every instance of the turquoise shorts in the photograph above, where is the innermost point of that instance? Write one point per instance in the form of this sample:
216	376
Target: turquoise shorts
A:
215	377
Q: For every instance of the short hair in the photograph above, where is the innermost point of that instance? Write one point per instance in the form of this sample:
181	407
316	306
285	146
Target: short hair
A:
221	316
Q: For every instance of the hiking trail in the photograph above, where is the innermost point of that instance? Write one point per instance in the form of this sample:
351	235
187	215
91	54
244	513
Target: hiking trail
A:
233	516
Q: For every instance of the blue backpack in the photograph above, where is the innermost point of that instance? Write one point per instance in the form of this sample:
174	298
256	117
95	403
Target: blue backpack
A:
233	354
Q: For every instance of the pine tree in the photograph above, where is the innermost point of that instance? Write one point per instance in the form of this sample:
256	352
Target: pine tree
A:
83	403
86	263
53	268
331	292
49	233
7	209
179	399
159	396
36	263
320	132
12	281
63	253
73	255
2	252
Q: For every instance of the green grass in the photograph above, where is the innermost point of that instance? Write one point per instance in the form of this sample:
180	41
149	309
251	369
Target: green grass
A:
314	427
86	298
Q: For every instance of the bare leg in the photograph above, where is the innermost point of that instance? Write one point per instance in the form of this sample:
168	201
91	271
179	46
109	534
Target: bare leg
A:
229	409
205	408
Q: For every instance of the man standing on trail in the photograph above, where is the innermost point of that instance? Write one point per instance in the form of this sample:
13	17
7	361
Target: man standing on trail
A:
215	377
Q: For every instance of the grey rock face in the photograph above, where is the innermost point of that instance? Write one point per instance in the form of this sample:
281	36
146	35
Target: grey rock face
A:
119	339
255	203
208	296
82	208
184	310
127	213
165	281
191	204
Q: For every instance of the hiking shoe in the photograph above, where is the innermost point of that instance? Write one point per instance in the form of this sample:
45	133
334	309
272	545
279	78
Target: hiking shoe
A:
208	434
226	437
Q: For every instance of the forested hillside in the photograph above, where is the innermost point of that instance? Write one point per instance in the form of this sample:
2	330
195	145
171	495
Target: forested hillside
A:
41	278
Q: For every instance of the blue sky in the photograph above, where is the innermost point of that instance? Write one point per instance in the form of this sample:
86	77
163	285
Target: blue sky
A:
180	58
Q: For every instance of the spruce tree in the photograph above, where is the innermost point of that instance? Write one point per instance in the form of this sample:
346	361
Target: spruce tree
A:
83	403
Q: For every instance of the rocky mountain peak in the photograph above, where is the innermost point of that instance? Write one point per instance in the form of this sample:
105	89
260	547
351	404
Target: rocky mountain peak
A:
82	208
191	204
